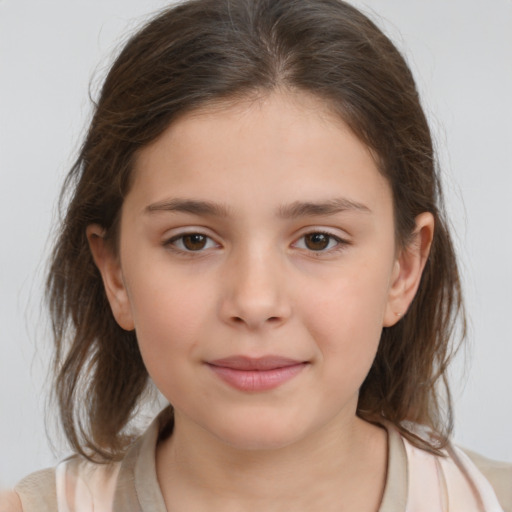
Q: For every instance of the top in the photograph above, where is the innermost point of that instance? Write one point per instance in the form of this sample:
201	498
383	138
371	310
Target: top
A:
416	481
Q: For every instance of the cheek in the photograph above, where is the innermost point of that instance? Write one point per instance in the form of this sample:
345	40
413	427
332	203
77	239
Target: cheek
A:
168	324
169	317
345	317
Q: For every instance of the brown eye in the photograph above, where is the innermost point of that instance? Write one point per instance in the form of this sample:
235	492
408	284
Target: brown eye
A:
191	242
317	241
194	241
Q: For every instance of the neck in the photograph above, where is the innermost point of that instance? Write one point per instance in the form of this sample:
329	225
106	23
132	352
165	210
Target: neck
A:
329	470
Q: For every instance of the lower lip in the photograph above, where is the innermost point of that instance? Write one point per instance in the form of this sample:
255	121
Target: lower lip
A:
257	380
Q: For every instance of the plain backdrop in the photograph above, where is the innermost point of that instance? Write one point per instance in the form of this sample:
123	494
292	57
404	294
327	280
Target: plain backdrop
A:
461	54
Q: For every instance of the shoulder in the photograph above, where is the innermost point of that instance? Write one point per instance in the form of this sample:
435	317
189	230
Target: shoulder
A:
35	492
79	484
462	481
75	484
10	502
499	475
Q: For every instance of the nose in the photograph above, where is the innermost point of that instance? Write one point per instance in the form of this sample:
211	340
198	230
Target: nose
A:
255	292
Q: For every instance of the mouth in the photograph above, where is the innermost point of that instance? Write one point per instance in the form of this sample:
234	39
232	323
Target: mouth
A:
256	374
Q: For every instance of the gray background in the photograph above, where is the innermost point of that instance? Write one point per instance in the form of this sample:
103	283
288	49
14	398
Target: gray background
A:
461	53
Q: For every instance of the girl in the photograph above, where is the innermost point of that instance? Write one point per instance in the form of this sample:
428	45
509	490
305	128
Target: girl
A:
255	226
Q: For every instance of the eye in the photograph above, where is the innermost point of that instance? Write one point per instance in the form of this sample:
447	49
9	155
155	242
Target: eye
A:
318	241
191	242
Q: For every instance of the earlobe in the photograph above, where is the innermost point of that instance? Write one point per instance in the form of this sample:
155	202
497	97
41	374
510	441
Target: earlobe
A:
408	269
110	269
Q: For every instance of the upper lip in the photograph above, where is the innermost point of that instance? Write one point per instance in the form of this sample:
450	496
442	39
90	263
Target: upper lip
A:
255	363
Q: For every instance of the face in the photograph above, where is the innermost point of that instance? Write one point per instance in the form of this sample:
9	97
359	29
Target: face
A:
257	264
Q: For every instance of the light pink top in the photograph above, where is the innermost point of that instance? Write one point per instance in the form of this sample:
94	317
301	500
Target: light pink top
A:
417	481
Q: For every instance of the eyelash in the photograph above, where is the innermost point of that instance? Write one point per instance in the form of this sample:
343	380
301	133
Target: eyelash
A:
172	243
340	243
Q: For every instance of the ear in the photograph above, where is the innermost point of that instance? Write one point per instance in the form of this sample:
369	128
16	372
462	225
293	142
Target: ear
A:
110	269
408	269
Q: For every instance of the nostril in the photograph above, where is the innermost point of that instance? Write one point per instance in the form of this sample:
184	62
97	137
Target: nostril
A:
240	320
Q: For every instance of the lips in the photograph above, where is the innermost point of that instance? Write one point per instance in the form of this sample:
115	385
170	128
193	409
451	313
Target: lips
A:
256	374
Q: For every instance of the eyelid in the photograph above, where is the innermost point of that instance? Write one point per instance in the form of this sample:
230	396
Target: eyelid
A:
341	241
169	241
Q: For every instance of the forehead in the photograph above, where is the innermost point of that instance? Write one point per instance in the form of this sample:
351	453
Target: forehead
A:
285	143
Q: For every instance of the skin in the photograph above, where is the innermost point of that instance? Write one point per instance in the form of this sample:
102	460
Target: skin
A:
258	286
10	502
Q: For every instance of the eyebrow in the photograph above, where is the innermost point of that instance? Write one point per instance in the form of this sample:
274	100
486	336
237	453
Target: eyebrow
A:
293	210
330	207
192	206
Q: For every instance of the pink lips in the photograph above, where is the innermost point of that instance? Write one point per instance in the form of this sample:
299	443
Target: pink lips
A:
256	374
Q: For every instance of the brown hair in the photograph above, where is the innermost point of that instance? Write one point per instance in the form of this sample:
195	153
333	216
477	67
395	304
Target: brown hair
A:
204	51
